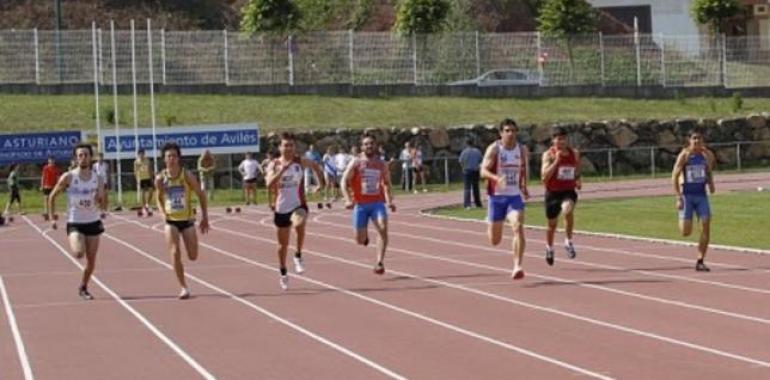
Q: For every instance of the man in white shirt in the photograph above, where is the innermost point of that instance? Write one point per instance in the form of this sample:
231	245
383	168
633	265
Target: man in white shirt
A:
249	168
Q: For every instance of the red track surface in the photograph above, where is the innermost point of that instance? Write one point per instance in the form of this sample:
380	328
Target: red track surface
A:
446	308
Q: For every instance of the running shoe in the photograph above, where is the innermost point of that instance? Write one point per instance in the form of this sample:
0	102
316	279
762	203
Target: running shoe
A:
517	274
571	253
298	267
701	267
549	256
184	294
284	282
379	269
84	294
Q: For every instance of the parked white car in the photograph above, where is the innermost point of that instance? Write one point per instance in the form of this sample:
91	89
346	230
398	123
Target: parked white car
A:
504	77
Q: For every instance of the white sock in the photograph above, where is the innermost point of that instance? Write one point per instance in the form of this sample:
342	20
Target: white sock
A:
567	241
549	247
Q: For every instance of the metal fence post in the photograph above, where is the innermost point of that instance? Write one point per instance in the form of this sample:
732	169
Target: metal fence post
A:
738	155
291	62
163	53
601	59
478	56
37	58
663	60
540	63
638	56
446	172
609	161
724	61
652	161
350	56
230	168
414	57
227	58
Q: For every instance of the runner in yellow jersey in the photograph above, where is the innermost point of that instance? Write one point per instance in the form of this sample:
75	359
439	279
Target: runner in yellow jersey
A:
175	187
144	180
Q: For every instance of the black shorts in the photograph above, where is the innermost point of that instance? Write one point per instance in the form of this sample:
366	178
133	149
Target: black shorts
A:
284	220
181	225
554	199
146	184
249	181
15	194
88	229
47	192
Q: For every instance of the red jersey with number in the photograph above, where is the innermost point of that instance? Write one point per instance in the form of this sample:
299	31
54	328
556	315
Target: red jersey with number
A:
565	176
368	175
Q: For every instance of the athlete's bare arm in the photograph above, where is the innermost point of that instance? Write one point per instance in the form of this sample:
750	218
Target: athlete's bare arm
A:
549	165
306	163
677	172
274	172
193	183
578	180
488	162
710	165
524	171
160	200
61	185
346	175
386	188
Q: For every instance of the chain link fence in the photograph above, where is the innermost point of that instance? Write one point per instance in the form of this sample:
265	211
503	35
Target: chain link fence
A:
380	58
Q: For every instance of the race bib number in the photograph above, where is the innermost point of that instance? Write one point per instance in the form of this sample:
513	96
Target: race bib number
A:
696	173
566	173
370	182
175	199
511	177
85	203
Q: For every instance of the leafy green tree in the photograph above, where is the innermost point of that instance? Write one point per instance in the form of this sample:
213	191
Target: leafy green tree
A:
421	16
714	12
281	16
566	19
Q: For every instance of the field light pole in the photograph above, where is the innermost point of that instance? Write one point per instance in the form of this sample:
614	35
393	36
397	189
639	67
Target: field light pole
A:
57	28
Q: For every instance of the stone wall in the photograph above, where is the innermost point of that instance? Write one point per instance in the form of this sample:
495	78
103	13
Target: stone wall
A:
630	142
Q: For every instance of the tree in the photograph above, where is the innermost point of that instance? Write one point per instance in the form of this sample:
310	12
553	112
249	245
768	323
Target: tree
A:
269	15
566	19
714	12
421	16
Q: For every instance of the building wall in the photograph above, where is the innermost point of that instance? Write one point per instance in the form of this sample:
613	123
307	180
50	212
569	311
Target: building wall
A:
671	17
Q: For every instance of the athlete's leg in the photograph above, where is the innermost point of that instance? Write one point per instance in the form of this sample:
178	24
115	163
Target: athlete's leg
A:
77	244
380	222
190	238
172	242
568	209
516	218
282	235
91	246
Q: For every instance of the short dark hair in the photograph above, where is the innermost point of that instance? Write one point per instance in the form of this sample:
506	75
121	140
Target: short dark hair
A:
695	131
507	122
84	146
288	136
141	150
170	146
558	131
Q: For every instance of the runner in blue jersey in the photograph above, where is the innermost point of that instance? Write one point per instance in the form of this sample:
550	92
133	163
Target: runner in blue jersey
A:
693	172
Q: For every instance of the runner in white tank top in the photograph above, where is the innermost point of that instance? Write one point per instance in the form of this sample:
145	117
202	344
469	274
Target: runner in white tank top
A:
505	169
284	179
85	199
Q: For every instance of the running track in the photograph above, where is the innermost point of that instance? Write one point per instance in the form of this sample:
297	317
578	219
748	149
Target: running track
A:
446	308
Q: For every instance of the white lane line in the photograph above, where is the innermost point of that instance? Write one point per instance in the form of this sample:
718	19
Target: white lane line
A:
534	306
364	360
585	263
165	339
27	369
410	313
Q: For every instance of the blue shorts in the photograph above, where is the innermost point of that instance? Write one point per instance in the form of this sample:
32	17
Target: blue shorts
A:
501	205
695	204
363	212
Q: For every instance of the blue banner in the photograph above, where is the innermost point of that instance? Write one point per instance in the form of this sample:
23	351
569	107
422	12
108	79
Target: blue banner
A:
225	138
37	147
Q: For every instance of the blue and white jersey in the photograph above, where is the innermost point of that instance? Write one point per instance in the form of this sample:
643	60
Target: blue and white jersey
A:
695	175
